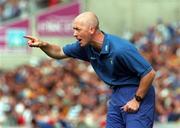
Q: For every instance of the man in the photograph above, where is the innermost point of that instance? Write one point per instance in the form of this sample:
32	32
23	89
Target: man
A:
117	63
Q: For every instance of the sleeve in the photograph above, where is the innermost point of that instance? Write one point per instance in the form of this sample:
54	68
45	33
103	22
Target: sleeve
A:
134	62
76	51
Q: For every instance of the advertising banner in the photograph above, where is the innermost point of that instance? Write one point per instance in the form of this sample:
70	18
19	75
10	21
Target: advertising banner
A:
11	35
57	21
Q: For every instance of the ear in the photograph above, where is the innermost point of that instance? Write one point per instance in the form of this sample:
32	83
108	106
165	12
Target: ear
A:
92	30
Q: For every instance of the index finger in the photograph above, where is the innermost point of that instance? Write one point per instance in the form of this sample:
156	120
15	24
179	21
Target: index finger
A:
29	37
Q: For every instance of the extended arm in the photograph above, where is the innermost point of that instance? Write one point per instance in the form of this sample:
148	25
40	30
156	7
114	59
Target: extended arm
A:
51	50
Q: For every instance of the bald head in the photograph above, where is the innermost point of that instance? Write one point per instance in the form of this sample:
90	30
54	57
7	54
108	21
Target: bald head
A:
89	19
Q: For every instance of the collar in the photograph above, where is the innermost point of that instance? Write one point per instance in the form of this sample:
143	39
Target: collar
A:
106	46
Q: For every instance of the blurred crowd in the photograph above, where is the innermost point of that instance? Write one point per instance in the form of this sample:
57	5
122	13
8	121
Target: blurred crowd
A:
68	94
47	3
160	45
10	9
63	94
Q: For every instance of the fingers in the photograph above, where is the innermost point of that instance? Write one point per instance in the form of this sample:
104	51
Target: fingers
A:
127	108
29	37
32	41
131	106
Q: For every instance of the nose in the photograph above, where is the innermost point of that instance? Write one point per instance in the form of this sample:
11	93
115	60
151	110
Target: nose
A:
75	34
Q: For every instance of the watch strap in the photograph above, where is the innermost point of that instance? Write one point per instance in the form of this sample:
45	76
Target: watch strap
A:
138	98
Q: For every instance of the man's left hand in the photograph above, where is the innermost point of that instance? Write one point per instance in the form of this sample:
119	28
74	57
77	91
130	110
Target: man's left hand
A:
131	106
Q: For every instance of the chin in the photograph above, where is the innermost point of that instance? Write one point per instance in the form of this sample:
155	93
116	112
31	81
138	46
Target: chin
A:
82	44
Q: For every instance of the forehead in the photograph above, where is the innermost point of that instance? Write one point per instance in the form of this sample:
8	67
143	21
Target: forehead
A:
79	24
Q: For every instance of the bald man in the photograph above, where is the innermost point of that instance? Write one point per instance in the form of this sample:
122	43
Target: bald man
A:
118	63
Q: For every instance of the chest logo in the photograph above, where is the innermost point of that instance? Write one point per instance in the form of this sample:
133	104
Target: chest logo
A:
92	58
111	61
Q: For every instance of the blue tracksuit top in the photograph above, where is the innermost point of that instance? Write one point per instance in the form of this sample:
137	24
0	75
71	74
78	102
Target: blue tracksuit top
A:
118	63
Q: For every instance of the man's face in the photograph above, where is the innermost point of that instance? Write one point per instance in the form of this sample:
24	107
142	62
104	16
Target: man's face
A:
82	32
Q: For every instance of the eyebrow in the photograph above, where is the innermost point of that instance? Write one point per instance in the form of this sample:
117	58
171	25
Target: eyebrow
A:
76	28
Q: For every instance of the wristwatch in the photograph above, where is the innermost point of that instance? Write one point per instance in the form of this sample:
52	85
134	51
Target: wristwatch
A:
138	98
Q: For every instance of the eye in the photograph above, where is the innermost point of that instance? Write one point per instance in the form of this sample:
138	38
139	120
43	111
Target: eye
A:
77	29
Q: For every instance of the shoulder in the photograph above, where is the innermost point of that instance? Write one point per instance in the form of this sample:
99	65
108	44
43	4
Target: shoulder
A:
73	47
118	44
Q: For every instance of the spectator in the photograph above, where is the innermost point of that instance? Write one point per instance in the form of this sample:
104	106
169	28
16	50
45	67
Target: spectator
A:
43	89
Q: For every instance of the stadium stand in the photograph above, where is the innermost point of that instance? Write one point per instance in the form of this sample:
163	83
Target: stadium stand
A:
67	93
55	93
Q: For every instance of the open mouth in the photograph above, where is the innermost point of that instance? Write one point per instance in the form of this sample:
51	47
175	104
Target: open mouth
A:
79	40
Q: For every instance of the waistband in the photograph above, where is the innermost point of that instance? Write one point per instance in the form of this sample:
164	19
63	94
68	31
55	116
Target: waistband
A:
114	87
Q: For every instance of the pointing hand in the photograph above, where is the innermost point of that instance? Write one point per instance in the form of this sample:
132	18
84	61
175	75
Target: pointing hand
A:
33	42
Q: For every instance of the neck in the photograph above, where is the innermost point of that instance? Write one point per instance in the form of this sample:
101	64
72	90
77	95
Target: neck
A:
97	41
